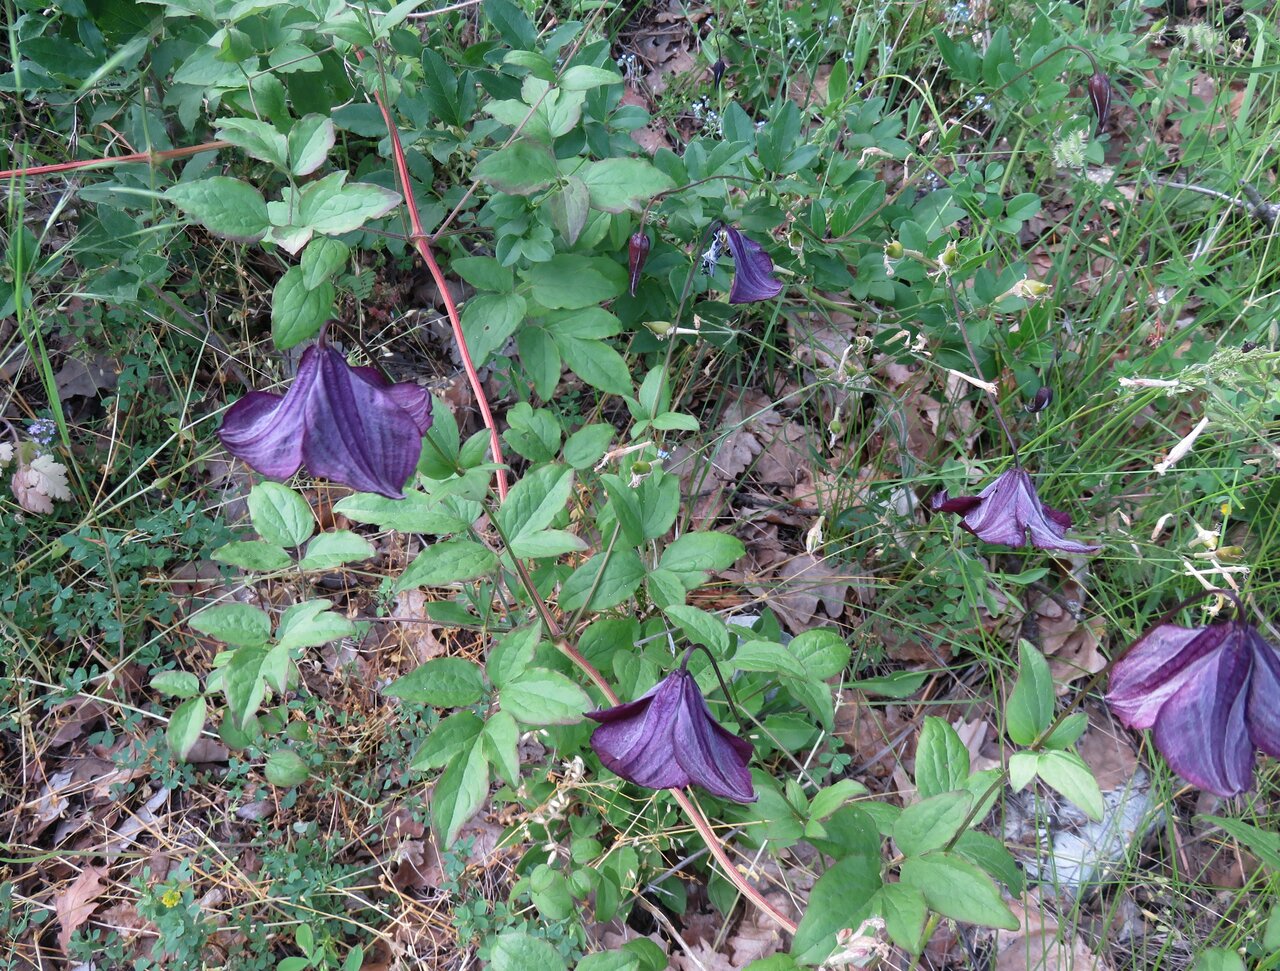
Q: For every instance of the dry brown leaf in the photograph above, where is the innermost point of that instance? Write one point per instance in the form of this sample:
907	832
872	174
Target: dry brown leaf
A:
74	905
1042	944
802	583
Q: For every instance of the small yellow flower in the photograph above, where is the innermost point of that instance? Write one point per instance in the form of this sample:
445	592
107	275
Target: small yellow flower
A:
171	897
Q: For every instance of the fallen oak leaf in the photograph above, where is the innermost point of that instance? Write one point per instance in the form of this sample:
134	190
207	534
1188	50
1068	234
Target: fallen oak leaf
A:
75	904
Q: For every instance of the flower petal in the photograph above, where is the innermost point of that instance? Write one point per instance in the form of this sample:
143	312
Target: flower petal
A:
711	756
1264	696
636	740
1010	508
1156	666
753	277
1201	729
357	432
266	431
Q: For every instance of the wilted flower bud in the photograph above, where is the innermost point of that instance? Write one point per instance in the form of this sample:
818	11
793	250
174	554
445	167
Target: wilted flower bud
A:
894	250
1043	398
1100	96
637	253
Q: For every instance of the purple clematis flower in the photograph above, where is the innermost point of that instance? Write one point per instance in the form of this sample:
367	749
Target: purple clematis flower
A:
753	277
1007	510
344	423
1211	695
667	739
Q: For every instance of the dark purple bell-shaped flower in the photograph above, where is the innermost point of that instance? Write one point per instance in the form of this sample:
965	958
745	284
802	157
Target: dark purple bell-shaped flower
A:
1100	98
753	277
667	739
637	253
343	423
1212	694
1008	510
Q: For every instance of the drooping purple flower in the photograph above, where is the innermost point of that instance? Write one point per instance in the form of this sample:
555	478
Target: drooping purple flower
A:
1100	98
637	253
1212	695
667	739
343	423
1008	510
753	277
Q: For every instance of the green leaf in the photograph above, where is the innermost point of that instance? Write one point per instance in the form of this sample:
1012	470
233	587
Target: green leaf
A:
832	797
584	77
310	624
931	823
822	651
900	684
1022	769
614	577
596	362
942	761
609	961
329	206
254	554
461	791
484	273
450	736
700	627
547	542
992	855
542	697
336	548
1219	959
297	313
540	359
522	168
1068	733
285	768
768	656
570	205
571	281
700	552
511	655
310	140
185	725
1271	936
224	206
518	951
904	912
176	684
442	682
1067	773
239	625
499	739
244	682
322	258
837	901
415	513
1030	706
622	184
488	320
587	445
440	88
449	562
258	139
958	889
535	501
280	515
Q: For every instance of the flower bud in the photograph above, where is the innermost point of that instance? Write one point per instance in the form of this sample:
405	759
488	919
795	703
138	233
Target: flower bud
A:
950	256
1100	96
894	250
637	253
660	328
717	71
1043	398
641	468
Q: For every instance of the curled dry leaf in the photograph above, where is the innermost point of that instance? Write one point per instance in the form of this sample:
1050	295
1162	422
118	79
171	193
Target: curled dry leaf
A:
36	483
77	902
1041	943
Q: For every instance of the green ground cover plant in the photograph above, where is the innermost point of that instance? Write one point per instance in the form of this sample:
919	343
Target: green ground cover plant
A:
768	485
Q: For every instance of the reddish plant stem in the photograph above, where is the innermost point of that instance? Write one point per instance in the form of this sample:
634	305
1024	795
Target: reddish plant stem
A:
421	243
153	157
420	239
